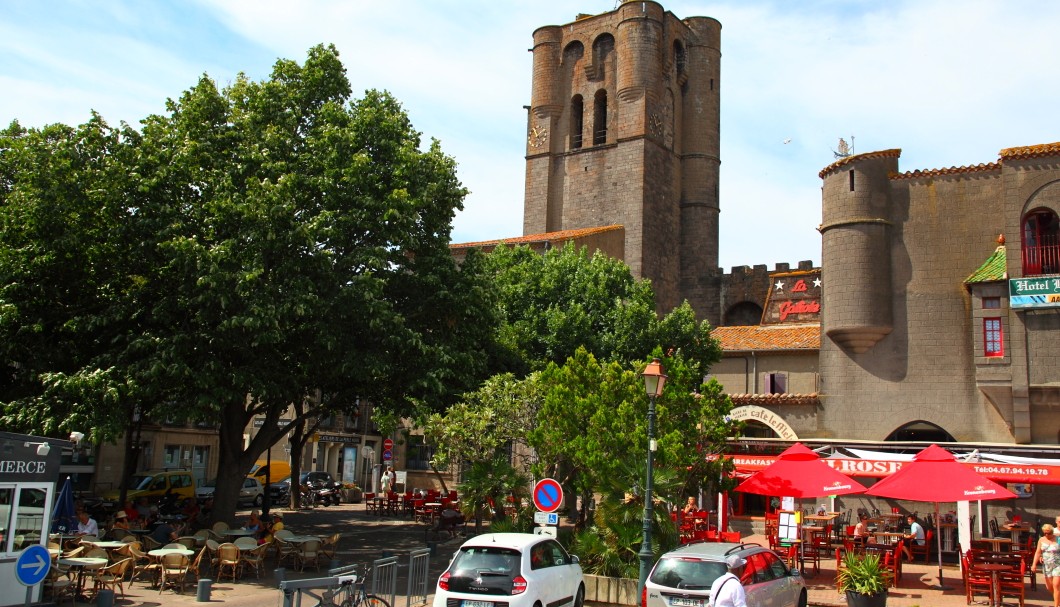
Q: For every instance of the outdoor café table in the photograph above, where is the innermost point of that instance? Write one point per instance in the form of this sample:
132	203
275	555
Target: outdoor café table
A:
994	569
997	542
301	539
81	563
234	533
1016	528
887	537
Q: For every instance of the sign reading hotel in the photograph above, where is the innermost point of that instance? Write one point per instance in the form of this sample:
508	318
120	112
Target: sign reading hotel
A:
794	297
1034	292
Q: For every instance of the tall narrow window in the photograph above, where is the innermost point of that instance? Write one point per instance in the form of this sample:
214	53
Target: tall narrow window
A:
993	343
600	118
1041	243
576	122
851	180
776	383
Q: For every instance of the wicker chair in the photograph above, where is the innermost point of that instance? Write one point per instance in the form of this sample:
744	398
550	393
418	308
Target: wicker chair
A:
59	585
174	571
228	558
144	564
309	551
254	559
330	545
111	577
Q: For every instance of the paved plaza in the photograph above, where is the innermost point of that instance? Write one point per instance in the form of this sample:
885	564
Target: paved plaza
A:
367	537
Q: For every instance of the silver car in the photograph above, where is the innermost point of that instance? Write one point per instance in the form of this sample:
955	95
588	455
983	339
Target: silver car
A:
683	577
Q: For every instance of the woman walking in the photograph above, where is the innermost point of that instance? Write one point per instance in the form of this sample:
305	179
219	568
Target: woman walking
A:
1048	554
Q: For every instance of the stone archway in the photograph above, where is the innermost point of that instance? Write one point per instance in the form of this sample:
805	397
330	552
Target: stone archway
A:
767	418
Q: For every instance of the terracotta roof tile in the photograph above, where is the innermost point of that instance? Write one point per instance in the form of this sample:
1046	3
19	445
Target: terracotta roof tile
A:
1031	151
845	161
552	237
765	337
774	399
978	168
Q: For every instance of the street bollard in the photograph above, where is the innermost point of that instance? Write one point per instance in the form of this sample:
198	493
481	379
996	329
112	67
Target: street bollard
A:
105	598
202	591
280	574
433	547
335	564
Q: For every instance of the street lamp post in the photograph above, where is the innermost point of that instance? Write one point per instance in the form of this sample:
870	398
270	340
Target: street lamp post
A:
654	380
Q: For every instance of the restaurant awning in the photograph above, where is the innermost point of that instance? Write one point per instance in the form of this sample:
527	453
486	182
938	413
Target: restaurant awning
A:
1000	468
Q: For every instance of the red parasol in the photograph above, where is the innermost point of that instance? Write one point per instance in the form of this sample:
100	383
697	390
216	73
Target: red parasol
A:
799	472
935	475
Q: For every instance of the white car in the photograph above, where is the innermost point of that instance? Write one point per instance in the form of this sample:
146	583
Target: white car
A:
251	492
511	570
684	577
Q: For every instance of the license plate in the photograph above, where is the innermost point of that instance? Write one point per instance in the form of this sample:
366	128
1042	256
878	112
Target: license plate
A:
681	602
476	603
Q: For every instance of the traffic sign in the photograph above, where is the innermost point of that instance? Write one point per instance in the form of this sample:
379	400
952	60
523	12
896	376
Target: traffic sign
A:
388	444
548	495
388	454
32	565
546	518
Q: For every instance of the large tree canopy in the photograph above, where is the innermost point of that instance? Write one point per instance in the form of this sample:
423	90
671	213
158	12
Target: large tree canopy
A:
262	244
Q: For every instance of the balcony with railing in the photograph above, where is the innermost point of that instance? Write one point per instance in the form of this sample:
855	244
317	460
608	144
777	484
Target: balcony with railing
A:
1042	257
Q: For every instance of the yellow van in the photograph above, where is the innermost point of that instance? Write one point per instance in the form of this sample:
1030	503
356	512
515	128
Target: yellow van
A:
277	470
153	484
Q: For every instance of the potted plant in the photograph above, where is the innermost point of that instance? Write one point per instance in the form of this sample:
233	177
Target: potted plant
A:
353	493
864	580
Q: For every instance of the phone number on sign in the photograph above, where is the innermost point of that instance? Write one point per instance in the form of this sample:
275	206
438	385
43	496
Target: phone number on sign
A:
1016	470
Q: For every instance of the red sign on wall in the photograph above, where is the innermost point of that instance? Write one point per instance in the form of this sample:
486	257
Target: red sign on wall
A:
794	297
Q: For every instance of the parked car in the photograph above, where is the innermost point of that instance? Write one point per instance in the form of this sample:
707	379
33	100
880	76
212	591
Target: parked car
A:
683	577
153	485
250	493
316	477
513	570
280	491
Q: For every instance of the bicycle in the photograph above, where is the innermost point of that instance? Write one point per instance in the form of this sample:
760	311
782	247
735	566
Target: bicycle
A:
351	593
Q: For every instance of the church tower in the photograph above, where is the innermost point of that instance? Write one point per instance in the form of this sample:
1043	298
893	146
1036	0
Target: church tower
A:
623	129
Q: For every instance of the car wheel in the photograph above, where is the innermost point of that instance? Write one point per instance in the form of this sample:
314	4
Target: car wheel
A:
579	599
803	600
258	500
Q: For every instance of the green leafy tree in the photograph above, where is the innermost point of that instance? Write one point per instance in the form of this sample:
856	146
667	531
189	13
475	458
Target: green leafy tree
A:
293	248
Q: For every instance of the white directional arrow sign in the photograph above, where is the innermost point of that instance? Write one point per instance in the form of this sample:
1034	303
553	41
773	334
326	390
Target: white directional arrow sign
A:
35	568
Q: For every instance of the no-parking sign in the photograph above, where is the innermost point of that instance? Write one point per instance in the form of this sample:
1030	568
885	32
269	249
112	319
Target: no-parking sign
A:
548	495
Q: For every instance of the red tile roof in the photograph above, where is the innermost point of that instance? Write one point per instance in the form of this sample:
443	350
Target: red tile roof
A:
766	338
845	161
774	400
1031	151
978	168
560	236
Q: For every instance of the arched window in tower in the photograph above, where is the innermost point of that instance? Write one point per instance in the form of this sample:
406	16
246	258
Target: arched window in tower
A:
603	51
921	430
680	69
1041	243
600	118
576	122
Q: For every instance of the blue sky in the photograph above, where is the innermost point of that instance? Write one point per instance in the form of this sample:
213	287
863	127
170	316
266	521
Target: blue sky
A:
949	82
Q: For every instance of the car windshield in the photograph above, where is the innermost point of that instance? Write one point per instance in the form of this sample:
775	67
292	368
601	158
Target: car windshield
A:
140	481
687	573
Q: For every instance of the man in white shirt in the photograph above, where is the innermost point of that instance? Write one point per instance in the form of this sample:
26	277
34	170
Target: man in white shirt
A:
86	525
727	591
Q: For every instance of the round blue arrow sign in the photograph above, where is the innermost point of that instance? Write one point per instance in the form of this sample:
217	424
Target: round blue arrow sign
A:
548	495
32	565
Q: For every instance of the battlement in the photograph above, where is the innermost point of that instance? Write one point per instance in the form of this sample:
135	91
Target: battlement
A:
763	270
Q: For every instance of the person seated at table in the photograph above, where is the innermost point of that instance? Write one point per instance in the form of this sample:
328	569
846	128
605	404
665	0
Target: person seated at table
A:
144	510
86	525
253	523
690	506
861	530
164	533
131	513
271	529
191	512
121	521
916	534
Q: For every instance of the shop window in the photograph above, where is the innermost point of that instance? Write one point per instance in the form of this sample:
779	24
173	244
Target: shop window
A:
23	514
993	344
1041	243
171	456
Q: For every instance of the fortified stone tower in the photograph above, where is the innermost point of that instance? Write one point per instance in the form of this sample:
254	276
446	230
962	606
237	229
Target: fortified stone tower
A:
623	129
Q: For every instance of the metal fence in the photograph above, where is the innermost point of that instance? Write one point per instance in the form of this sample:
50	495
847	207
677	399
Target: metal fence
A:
382	581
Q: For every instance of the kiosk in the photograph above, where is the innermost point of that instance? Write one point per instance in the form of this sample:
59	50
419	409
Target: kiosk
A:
29	471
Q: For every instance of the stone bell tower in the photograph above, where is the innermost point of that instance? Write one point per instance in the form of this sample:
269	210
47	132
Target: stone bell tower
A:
623	129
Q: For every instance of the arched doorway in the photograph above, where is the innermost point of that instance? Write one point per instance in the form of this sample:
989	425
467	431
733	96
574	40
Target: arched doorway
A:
921	430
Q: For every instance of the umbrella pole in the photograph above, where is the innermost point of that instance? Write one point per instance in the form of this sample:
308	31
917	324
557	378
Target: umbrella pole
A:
938	538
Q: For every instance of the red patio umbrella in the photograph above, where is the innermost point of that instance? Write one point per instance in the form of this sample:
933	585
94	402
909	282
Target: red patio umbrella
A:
935	475
799	472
